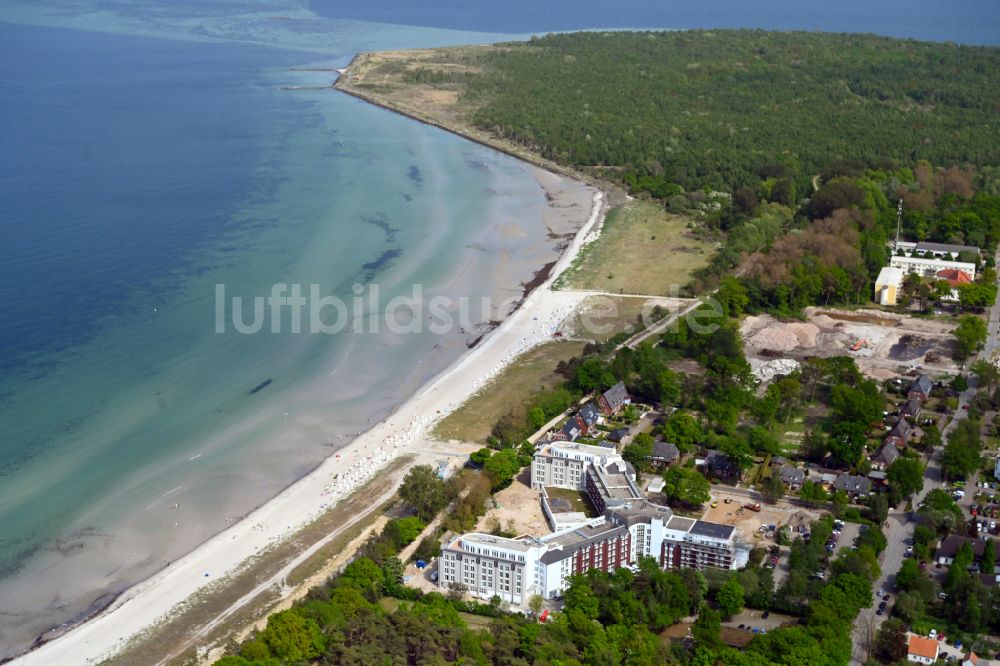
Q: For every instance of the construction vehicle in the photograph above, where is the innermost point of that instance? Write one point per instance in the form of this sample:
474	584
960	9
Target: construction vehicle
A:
752	507
859	344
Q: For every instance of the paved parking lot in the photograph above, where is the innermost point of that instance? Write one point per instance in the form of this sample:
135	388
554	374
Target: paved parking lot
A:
753	618
847	537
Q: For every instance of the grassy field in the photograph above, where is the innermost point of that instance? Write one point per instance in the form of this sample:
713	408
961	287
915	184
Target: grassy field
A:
578	499
642	250
602	317
386	74
534	372
790	436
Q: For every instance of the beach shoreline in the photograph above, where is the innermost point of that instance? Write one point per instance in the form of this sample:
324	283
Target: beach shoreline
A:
343	83
146	604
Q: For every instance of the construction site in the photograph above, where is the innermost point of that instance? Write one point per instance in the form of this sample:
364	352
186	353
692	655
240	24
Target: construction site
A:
754	524
883	344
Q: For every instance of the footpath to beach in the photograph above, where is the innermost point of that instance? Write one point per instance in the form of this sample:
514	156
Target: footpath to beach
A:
151	601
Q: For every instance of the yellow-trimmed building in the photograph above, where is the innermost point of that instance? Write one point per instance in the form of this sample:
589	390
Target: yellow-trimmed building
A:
888	284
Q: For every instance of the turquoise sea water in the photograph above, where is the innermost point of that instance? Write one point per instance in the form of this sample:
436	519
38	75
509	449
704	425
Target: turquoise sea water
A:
138	173
148	154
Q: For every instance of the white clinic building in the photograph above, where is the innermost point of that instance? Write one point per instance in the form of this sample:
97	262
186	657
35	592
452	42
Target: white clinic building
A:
516	569
930	267
564	464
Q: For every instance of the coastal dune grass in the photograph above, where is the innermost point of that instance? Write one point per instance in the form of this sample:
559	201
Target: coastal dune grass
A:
643	249
601	318
533	373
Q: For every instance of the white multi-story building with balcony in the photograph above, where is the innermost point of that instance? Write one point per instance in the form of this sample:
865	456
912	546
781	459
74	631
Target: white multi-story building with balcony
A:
930	267
489	566
564	464
515	569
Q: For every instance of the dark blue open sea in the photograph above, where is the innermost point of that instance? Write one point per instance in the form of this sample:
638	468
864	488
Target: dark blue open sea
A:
962	21
149	152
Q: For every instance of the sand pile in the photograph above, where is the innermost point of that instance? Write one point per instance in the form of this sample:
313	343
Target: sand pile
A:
785	337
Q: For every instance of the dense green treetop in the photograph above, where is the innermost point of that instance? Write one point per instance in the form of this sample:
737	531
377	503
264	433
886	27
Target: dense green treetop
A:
719	108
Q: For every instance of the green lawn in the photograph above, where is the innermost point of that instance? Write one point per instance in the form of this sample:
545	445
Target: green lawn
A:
531	374
790	436
578	499
602	317
642	250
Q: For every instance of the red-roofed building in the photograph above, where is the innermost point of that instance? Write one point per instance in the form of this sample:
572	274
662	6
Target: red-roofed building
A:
954	277
922	650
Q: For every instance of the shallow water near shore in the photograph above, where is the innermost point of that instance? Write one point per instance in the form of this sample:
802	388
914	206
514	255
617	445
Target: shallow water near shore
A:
153	152
146	171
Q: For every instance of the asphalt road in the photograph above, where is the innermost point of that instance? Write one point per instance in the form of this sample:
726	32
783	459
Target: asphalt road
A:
900	528
901	523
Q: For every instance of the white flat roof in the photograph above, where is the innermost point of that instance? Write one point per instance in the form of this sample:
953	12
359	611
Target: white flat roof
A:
943	263
567	449
890	275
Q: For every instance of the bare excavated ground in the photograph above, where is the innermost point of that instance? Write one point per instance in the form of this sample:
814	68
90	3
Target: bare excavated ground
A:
748	523
517	508
883	344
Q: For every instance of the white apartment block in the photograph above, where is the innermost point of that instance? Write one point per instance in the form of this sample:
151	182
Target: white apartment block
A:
930	267
677	542
491	566
564	464
515	569
611	486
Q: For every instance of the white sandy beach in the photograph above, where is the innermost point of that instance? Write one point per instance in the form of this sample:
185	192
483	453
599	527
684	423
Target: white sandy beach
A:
534	322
